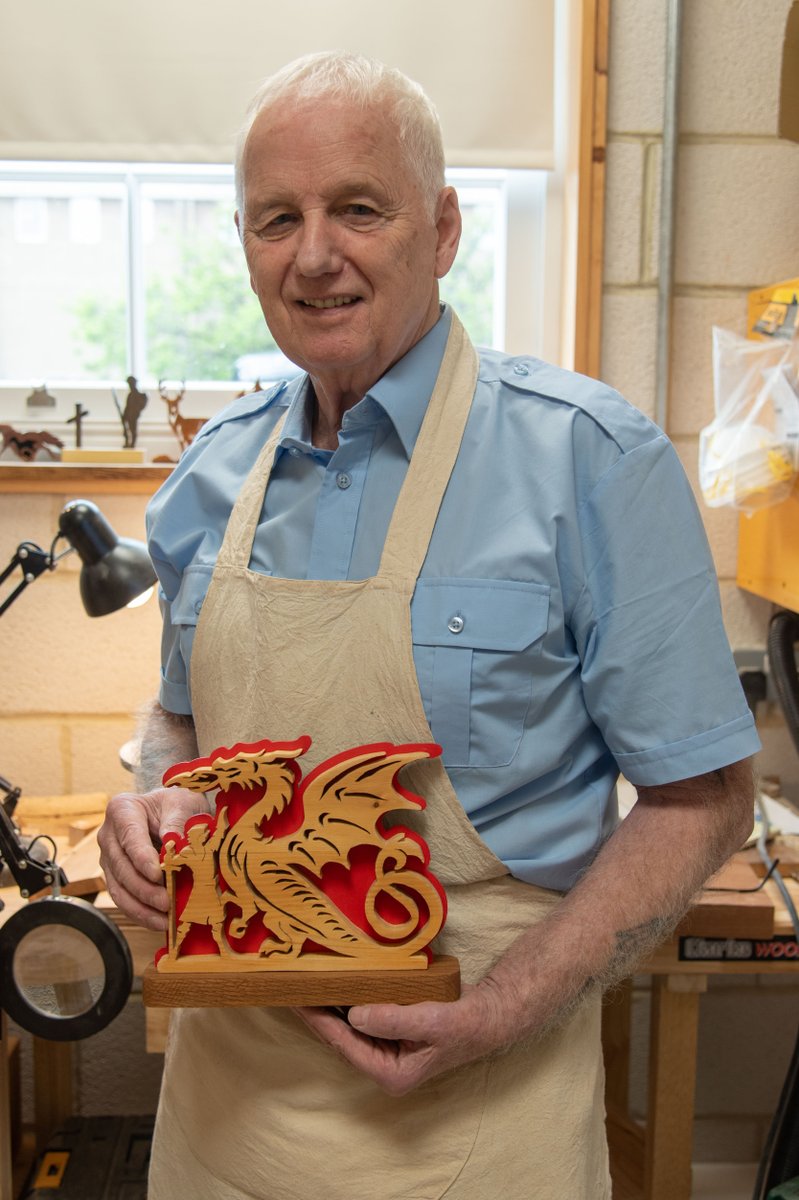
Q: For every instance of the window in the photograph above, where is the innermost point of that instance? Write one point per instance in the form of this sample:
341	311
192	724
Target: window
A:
108	270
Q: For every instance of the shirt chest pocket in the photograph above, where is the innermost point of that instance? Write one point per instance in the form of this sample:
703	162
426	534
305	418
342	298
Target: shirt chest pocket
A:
475	643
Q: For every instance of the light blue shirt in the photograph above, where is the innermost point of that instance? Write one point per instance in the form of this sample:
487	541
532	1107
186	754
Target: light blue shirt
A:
566	622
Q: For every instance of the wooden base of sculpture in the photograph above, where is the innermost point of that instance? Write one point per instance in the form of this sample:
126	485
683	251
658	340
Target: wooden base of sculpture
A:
295	891
441	980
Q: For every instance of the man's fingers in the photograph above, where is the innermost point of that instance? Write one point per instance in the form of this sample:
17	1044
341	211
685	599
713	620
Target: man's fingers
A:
411	1022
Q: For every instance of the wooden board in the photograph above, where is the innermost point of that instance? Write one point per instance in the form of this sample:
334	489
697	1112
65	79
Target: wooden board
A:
736	913
286	989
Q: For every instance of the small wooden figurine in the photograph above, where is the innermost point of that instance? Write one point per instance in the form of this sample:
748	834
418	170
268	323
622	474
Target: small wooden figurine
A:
27	445
40	398
77	421
300	875
185	429
135	404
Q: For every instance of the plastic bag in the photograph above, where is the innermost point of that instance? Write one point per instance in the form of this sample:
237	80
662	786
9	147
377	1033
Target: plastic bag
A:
749	455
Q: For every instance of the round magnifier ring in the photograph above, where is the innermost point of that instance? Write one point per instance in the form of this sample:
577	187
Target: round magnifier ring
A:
83	1006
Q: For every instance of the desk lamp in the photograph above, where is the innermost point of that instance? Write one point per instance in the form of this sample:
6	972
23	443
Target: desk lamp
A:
65	969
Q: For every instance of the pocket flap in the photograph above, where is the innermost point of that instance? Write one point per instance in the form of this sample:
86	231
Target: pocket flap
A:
481	614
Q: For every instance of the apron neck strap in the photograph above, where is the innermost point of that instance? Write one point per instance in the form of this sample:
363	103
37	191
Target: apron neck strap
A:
432	461
426	480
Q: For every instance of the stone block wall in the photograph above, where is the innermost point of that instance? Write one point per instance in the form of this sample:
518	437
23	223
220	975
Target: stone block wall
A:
737	228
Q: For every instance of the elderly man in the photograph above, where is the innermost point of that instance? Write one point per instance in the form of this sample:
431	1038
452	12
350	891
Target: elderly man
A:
411	543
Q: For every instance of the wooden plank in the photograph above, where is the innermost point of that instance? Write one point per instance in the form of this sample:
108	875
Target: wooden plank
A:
626	1145
284	989
52	1086
82	863
616	1011
591	185
156	1029
672	1083
784	848
734	913
132	478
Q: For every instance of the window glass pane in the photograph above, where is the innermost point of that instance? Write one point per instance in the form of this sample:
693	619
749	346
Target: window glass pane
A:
62	282
200	313
471	286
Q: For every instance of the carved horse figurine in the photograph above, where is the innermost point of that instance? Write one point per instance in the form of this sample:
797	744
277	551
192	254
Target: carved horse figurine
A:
185	429
27	445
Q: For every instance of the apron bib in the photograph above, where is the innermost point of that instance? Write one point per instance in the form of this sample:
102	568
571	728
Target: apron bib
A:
252	1104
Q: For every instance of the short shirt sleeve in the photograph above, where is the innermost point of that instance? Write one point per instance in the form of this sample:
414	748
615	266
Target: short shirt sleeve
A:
658	677
179	625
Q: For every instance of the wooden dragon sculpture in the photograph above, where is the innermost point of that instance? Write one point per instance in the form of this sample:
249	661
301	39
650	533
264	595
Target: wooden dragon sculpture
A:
299	874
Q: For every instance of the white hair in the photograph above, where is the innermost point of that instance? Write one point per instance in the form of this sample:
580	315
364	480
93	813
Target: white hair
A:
365	81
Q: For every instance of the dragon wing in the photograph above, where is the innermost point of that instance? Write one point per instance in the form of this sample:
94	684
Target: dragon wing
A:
345	797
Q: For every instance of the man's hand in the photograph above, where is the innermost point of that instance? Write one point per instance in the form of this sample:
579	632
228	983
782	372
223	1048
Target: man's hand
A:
402	1046
129	840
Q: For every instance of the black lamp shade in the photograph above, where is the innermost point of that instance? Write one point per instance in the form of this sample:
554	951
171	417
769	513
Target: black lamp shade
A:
115	570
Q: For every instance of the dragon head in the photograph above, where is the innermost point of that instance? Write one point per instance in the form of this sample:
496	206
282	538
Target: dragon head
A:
245	765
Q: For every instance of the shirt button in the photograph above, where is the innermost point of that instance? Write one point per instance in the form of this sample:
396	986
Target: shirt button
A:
521	369
295	452
198	605
343	480
455	624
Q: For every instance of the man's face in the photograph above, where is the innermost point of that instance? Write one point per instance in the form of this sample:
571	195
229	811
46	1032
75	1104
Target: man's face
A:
343	252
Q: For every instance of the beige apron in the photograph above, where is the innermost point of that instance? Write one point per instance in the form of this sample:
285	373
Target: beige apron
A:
252	1104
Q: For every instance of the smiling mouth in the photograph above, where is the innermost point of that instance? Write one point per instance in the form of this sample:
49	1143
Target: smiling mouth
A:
330	302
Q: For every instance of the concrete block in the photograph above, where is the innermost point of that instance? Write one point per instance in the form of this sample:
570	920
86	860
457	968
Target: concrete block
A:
623	212
732	53
628	345
737	216
94	754
34	754
745	1044
721	524
70	662
691	401
636	66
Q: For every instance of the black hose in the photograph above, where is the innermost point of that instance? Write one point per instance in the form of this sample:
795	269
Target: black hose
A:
783	634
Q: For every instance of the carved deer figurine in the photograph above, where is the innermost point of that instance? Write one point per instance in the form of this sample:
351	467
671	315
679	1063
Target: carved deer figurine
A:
185	429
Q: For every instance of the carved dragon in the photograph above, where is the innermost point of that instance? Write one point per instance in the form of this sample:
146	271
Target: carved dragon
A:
343	802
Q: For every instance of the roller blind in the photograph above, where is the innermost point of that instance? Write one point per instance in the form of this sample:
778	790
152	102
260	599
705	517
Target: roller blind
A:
169	80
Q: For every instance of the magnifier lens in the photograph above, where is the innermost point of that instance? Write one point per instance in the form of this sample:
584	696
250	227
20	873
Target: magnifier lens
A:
65	969
58	970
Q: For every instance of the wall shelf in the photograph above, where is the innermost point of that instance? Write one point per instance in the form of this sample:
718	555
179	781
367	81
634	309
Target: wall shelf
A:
131	478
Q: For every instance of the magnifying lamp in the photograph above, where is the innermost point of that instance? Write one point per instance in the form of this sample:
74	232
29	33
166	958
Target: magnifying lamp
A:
65	969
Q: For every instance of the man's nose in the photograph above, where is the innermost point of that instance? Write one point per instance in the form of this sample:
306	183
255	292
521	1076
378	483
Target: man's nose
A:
318	252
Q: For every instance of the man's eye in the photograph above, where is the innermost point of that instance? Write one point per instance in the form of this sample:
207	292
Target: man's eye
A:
277	224
360	210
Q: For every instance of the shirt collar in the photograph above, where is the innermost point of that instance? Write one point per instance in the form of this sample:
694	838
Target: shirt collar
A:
403	393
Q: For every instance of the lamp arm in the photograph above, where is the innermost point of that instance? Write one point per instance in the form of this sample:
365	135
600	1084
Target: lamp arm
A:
33	562
29	874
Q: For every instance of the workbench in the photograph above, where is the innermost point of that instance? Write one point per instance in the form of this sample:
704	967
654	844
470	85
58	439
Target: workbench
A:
650	1161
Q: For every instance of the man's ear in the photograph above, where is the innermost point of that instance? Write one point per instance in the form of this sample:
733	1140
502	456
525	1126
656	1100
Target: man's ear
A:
448	228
